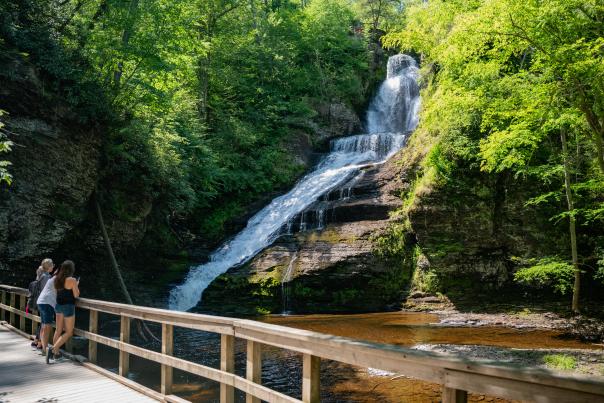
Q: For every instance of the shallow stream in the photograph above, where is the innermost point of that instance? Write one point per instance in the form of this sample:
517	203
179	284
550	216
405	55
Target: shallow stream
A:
341	383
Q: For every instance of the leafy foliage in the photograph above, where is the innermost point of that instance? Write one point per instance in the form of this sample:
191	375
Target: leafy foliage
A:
548	272
5	146
600	268
504	80
200	99
560	361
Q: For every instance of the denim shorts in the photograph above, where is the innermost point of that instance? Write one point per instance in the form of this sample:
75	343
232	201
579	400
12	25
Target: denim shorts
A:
66	310
47	314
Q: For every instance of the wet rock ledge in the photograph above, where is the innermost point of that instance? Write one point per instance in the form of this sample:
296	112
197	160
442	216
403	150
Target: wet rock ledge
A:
326	260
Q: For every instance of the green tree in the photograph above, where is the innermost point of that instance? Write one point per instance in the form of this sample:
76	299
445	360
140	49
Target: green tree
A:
514	87
199	100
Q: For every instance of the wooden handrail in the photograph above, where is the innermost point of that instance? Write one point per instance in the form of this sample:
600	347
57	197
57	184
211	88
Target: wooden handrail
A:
458	376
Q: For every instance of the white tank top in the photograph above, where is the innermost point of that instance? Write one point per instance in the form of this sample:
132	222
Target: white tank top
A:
48	294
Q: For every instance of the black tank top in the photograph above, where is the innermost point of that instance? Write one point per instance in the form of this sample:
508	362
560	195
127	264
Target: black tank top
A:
65	297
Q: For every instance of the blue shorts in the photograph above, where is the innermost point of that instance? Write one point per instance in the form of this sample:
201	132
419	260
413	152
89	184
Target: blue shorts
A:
47	314
66	310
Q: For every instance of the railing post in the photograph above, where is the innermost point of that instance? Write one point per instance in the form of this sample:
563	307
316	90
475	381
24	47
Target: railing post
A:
451	395
51	333
227	364
253	367
93	327
12	305
311	370
22	302
167	347
3	301
124	365
69	345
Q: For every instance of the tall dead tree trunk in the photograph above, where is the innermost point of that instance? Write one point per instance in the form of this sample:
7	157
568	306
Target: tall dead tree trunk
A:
117	271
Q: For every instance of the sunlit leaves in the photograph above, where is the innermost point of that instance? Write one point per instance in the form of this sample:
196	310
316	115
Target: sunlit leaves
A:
5	146
505	79
548	272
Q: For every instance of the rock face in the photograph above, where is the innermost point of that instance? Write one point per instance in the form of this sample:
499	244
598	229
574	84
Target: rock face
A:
473	235
329	261
54	166
347	253
333	120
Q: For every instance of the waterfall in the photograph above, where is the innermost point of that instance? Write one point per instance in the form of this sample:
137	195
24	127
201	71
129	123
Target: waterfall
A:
392	114
396	104
320	219
285	286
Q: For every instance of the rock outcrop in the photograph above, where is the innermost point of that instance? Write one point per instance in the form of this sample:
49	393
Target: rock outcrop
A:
463	240
475	235
54	166
328	259
332	120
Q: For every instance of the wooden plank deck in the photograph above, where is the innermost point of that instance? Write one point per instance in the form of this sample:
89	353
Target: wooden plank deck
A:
25	377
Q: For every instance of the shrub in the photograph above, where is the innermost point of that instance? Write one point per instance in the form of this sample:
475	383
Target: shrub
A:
560	361
548	273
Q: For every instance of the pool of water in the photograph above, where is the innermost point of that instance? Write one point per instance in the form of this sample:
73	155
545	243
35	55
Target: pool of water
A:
411	328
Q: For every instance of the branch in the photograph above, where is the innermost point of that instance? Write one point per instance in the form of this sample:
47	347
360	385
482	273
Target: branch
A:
226	11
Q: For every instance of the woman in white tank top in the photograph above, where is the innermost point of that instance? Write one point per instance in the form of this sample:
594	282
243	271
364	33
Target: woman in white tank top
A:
46	305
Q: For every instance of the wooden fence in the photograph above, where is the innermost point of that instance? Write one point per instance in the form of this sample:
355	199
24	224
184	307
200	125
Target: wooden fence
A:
458	377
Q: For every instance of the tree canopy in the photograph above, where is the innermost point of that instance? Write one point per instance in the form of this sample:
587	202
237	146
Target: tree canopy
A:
201	99
516	87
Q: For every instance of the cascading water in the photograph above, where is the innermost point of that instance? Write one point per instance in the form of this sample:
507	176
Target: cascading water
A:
392	114
396	104
285	283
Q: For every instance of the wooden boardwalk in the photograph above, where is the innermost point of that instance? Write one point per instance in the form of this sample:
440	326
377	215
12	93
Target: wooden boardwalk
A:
25	377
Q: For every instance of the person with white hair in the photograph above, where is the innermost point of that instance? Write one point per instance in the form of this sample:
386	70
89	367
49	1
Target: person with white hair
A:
35	289
46	303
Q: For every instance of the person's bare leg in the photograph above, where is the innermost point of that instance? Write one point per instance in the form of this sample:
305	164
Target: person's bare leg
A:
38	338
69	324
59	329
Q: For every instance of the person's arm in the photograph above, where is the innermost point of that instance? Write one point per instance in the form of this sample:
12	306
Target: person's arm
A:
74	287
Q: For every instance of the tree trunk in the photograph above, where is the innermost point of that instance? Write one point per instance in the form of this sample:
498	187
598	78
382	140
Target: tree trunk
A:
126	34
572	229
600	150
114	265
204	86
116	269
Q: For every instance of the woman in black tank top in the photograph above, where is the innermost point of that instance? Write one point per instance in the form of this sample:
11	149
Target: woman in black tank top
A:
67	292
65	297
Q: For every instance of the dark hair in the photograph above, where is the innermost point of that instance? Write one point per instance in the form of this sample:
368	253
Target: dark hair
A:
66	270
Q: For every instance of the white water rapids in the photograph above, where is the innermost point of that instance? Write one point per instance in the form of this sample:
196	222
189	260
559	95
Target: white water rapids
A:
391	115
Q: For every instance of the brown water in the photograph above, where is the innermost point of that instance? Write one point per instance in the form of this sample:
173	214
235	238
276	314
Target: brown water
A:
340	382
352	384
411	328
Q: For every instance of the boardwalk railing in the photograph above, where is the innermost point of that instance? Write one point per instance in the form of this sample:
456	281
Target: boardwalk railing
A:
458	377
